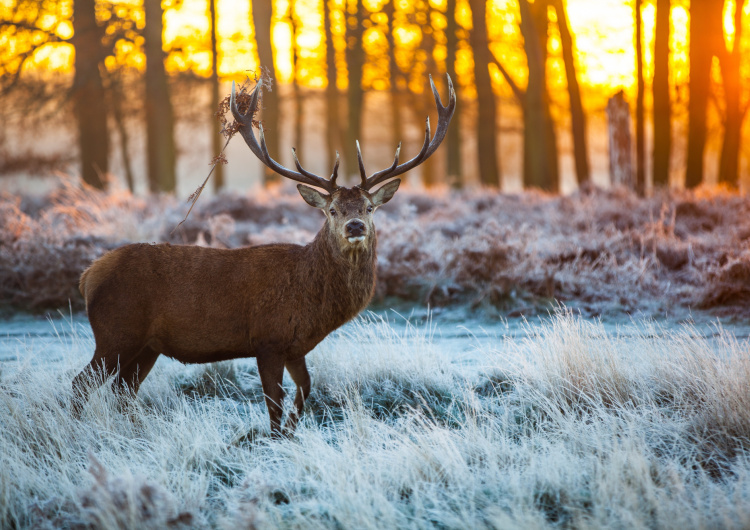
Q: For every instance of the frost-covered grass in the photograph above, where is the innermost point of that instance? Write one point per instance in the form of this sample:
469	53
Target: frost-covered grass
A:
599	251
571	425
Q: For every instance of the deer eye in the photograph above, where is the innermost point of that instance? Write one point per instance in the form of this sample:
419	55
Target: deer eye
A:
333	211
369	209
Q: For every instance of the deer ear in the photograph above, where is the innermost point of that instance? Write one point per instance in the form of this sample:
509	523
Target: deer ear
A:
384	194
312	197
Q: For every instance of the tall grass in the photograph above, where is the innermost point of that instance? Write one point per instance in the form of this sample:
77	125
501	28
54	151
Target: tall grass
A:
570	425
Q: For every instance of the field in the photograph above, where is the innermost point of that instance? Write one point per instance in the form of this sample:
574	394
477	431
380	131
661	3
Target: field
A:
510	255
552	418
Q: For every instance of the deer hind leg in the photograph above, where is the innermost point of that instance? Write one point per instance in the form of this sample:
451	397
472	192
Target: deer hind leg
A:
132	374
90	378
271	371
301	377
105	363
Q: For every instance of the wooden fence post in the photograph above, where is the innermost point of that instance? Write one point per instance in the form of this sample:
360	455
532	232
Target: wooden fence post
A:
620	143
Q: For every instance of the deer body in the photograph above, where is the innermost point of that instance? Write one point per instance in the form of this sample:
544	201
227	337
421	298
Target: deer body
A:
200	305
272	302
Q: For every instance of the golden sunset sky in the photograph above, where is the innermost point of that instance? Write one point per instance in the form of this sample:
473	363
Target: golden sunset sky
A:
603	32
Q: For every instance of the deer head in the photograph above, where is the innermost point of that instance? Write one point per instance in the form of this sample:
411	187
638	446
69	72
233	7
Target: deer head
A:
349	213
348	210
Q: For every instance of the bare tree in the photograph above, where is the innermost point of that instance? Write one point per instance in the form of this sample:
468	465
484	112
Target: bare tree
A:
705	42
453	147
116	101
355	60
577	116
735	112
396	76
619	142
540	161
430	175
160	146
88	94
298	97
23	26
640	156
486	129
99	29
333	127
216	141
662	106
262	19
122	81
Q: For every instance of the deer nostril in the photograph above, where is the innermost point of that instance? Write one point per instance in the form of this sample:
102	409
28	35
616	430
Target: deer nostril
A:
355	227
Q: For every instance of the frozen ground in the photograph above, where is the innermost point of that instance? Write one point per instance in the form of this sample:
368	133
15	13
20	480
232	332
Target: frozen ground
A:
497	410
47	338
458	332
451	421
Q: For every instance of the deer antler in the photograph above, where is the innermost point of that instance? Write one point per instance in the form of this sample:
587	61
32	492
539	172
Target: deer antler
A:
445	113
261	151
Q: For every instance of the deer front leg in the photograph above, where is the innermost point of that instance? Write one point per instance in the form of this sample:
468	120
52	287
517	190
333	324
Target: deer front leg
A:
301	377
271	371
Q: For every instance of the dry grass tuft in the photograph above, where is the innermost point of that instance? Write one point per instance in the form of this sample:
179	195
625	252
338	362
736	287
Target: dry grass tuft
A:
128	502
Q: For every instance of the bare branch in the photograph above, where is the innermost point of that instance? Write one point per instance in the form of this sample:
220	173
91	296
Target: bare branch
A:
520	94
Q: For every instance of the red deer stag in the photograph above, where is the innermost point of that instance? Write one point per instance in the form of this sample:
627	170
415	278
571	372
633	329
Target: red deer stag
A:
272	302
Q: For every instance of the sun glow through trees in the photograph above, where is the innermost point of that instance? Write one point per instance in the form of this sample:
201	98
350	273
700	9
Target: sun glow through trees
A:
603	30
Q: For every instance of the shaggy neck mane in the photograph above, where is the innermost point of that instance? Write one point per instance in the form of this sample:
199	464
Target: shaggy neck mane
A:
348	277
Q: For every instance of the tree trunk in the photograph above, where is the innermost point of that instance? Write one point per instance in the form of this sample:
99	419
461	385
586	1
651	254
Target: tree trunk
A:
539	12
453	138
540	167
662	108
620	143
640	156
397	124
159	116
577	116
262	18
355	60
298	98
88	95
730	73
705	31
489	170
333	119
428	168
216	140
117	95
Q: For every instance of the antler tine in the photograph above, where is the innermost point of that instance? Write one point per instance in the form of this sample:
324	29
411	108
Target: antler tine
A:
395	169
362	172
300	168
335	172
395	158
445	113
261	151
246	120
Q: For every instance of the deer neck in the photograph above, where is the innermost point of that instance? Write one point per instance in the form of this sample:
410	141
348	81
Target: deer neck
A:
349	277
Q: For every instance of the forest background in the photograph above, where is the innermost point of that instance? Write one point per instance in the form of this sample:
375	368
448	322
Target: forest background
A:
124	93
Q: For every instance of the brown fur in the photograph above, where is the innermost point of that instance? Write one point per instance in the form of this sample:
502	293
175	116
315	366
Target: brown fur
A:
200	305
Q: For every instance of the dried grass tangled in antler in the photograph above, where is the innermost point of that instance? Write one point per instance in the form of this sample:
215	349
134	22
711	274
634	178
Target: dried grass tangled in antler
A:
229	129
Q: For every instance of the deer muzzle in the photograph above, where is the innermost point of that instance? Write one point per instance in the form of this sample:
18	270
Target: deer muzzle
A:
356	231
